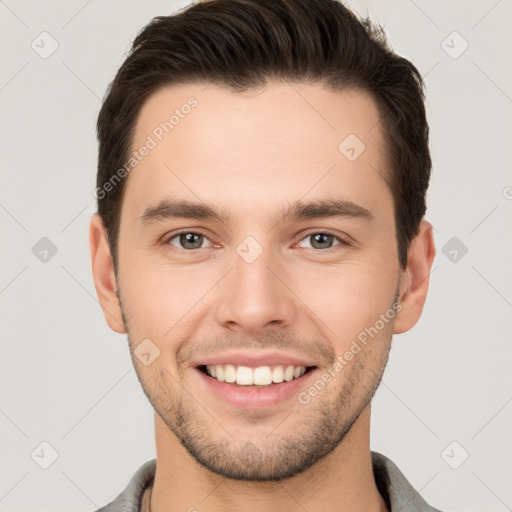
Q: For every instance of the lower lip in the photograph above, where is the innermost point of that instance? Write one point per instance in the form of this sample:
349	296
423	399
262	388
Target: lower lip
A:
250	397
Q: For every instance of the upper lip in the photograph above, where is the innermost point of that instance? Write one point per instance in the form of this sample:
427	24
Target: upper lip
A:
255	359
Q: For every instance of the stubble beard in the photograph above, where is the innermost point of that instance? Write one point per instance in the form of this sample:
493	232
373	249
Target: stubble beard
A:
322	425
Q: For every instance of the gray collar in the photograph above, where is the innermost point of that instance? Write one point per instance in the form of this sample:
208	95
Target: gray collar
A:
398	493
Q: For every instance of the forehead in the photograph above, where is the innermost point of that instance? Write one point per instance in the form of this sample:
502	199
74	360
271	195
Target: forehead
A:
285	140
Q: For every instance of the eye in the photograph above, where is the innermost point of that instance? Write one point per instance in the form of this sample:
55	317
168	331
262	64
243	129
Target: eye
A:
192	240
188	240
324	240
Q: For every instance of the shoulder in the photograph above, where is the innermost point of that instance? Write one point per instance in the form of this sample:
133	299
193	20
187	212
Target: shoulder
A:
130	500
394	487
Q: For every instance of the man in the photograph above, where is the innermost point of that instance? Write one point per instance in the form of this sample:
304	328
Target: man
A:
261	188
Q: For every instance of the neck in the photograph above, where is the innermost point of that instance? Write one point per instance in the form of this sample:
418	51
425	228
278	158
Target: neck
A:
342	480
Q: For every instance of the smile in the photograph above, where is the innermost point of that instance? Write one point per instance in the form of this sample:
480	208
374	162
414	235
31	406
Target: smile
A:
259	376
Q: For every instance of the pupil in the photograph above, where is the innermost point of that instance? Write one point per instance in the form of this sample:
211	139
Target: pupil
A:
321	239
188	238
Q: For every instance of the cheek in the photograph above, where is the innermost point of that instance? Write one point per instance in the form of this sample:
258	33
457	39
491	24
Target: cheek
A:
161	297
345	298
348	298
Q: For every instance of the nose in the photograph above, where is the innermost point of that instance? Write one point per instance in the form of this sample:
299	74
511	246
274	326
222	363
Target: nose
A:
255	296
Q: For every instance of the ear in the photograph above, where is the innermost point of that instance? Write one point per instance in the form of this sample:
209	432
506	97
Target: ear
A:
104	276
415	278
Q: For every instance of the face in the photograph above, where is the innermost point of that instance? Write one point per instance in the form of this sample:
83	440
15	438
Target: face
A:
254	239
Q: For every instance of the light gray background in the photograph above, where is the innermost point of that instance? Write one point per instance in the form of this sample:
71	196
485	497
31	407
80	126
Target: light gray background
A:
68	380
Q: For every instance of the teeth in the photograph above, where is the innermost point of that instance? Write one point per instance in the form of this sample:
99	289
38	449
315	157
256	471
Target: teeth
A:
288	374
229	373
260	376
278	374
244	376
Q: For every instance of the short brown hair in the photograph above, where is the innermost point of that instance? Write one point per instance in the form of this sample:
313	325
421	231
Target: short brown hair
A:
241	44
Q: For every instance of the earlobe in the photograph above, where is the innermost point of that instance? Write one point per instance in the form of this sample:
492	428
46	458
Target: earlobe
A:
415	278
104	276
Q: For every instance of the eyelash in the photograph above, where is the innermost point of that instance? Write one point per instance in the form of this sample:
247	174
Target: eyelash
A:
342	241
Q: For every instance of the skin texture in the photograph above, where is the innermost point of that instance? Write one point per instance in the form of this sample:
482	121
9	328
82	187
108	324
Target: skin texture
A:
252	154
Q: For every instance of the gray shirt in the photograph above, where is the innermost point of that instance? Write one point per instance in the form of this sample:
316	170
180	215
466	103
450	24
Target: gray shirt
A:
398	493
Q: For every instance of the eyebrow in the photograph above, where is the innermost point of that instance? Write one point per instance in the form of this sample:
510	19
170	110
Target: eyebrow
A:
298	211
